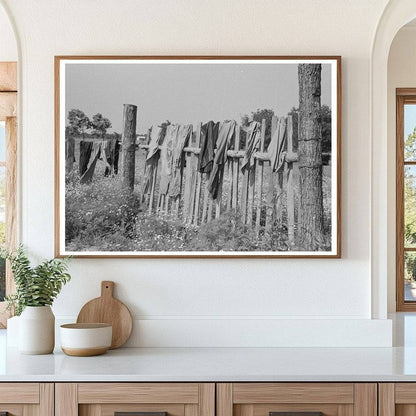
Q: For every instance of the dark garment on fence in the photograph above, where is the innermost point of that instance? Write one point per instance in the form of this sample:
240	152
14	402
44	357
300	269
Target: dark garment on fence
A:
85	149
276	151
209	135
166	158
182	139
152	157
95	154
108	154
116	156
225	135
253	144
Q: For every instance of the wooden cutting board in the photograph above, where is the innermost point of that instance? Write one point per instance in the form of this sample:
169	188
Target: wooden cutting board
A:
107	309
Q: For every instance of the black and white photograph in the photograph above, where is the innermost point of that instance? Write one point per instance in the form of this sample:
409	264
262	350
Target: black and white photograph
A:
198	156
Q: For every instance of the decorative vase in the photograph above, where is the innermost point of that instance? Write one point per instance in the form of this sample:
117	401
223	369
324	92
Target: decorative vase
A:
37	330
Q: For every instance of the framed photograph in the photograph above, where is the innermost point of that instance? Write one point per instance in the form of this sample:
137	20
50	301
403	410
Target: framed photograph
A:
198	156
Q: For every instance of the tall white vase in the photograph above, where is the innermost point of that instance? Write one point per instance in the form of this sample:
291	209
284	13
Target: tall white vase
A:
37	330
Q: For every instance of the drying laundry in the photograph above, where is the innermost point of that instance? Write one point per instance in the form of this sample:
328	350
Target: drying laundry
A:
95	154
157	134
277	147
225	134
85	149
209	135
182	139
166	158
253	144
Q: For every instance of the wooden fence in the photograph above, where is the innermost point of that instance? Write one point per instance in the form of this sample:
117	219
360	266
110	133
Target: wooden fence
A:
260	196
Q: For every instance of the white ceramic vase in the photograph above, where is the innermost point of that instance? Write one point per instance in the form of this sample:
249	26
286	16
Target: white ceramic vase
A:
37	330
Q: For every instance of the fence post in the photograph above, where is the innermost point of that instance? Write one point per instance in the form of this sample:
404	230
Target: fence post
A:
290	185
259	204
128	146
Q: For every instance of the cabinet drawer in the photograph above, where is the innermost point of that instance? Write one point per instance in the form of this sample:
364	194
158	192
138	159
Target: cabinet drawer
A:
153	399
397	399
297	399
22	399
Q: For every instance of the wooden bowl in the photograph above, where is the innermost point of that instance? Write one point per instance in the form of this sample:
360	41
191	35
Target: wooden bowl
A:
85	340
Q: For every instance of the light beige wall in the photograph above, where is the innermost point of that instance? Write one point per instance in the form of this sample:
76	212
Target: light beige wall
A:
8	47
160	292
401	74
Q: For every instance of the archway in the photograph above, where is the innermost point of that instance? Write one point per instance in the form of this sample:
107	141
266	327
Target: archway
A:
396	14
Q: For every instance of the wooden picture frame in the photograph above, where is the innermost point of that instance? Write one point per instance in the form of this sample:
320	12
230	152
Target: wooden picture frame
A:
247	206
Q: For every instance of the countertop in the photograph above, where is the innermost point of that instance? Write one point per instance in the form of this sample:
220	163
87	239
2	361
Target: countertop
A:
213	364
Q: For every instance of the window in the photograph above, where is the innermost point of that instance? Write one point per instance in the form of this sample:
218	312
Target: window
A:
8	170
406	199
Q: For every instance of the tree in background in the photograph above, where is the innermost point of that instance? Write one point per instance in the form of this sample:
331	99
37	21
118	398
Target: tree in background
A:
78	123
100	124
259	115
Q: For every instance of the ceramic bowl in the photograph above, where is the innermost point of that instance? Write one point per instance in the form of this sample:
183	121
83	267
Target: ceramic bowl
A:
84	340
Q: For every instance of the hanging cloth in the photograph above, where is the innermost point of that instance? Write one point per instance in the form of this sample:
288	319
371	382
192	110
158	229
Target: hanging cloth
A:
209	135
166	158
225	135
277	147
182	139
95	154
152	157
253	144
85	149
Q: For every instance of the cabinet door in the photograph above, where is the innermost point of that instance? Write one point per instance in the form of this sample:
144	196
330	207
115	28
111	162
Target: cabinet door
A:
397	399
26	399
297	399
145	399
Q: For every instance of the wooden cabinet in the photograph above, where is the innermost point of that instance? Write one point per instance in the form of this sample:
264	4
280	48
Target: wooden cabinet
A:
397	399
106	399
297	399
27	399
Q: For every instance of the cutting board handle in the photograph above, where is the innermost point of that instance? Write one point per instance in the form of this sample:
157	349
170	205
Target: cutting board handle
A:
107	289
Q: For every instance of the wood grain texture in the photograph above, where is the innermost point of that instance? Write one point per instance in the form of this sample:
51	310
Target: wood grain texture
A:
365	399
27	393
47	399
66	399
405	393
345	410
138	393
190	410
107	309
8	105
13	409
224	399
326	409
207	399
386	399
110	409
8	76
91	410
252	393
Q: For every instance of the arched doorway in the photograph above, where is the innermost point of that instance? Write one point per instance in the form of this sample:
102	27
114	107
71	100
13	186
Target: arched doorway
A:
396	14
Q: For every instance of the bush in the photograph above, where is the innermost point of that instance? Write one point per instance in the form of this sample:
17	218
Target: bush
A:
98	213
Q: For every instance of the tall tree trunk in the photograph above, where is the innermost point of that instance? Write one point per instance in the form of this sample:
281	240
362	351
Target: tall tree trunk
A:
311	227
128	146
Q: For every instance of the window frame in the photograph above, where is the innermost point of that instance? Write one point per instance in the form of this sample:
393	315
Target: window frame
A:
8	114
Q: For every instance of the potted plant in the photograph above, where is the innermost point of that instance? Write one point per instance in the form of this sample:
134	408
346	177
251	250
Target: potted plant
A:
36	289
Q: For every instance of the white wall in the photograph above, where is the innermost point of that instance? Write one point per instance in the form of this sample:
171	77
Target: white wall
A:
183	300
401	74
8	47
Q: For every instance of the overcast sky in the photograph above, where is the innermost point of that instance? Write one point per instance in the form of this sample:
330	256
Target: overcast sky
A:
184	93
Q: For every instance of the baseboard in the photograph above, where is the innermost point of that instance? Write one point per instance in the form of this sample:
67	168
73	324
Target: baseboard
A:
251	332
